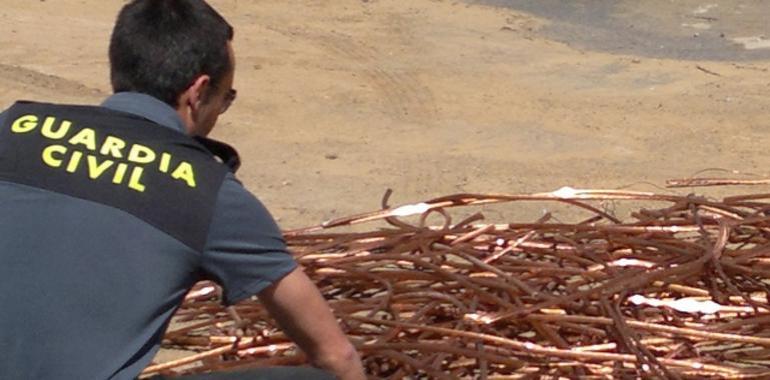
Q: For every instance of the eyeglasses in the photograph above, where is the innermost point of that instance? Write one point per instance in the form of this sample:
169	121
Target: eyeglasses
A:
229	99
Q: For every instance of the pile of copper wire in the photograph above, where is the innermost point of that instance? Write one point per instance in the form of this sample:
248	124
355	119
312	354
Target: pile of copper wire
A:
680	290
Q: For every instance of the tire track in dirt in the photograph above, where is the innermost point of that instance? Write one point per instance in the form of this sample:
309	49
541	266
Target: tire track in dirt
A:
404	96
20	82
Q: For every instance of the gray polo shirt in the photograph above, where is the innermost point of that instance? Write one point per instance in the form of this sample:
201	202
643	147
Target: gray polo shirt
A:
88	289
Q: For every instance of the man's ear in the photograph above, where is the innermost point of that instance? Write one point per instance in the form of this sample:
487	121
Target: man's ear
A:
190	100
197	91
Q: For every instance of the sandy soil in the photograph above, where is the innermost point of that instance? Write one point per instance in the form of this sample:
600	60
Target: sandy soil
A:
340	100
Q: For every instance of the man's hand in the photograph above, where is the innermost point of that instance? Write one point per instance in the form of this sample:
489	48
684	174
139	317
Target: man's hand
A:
295	302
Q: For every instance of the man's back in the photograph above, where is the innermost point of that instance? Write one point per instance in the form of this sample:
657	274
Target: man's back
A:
95	259
109	214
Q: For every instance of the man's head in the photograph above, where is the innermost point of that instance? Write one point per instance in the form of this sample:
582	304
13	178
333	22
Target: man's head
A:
178	51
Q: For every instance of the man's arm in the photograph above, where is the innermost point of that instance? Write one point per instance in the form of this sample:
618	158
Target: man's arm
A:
295	302
247	255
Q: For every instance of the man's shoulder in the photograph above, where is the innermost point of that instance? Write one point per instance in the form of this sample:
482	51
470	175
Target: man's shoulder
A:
232	194
237	208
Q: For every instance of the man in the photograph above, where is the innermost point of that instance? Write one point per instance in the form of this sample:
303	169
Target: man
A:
110	214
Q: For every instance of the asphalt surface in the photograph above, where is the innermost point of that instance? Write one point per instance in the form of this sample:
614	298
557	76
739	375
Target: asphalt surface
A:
678	29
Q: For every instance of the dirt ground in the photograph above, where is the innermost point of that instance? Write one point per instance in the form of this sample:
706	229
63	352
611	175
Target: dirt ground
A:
340	100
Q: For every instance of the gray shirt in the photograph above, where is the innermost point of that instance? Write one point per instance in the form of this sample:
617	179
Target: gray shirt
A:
88	290
245	251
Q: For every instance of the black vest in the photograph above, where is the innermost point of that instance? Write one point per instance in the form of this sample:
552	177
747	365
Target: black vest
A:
159	175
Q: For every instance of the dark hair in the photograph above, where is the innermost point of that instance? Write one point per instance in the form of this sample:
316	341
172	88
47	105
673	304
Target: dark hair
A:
159	47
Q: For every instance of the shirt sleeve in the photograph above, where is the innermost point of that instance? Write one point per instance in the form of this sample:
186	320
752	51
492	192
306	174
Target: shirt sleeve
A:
245	251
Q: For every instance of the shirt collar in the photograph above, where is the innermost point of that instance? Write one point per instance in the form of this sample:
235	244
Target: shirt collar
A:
147	107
